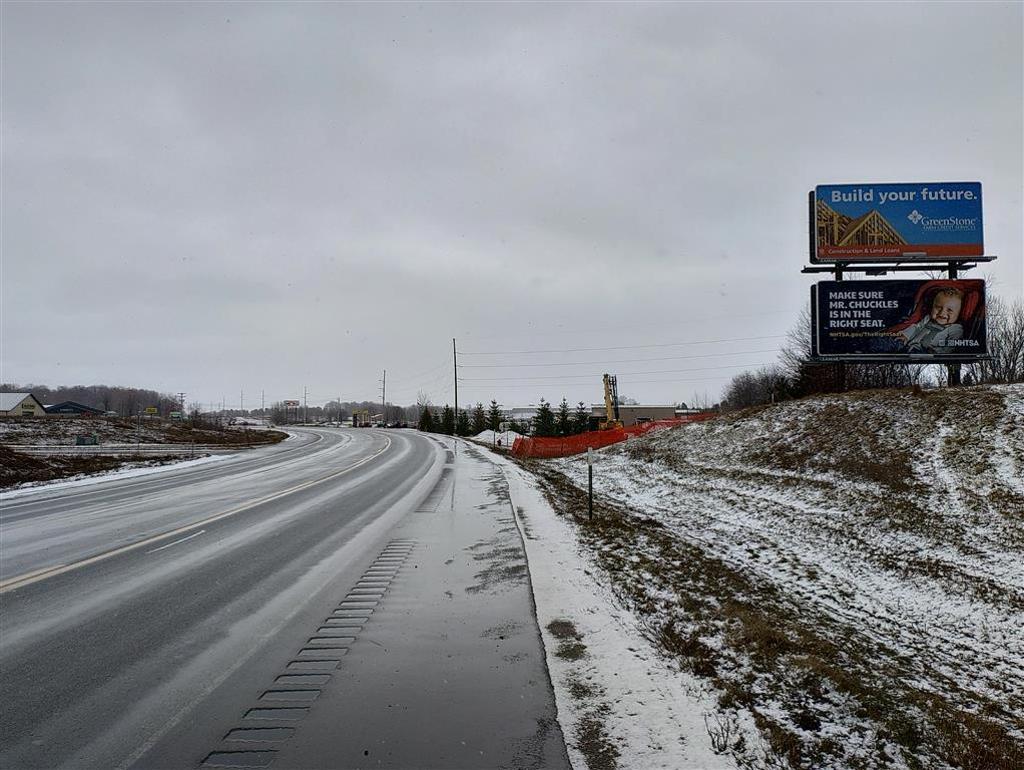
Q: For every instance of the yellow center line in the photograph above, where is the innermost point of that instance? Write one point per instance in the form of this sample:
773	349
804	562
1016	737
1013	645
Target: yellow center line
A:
42	574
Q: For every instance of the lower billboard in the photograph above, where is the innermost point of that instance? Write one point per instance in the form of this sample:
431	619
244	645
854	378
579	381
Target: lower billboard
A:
899	320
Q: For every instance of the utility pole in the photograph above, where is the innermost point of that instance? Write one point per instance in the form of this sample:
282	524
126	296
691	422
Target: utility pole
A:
455	364
305	407
263	403
383	399
181	403
241	400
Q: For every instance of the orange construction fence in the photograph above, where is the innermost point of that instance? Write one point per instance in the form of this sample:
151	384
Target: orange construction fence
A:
564	446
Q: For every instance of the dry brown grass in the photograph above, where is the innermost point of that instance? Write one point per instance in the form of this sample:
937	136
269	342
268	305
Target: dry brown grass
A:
793	656
20	468
589	735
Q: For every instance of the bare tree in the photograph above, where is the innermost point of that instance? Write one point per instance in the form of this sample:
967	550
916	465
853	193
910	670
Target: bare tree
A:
766	385
1005	322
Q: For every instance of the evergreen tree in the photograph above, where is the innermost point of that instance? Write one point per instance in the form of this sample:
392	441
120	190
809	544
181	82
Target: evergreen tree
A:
479	420
462	423
494	416
544	422
447	421
426	423
563	419
581	420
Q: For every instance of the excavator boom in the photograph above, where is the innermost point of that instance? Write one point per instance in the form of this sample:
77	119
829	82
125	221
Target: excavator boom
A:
611	404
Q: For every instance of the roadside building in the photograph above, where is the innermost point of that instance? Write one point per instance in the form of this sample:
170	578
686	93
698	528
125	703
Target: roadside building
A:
636	414
521	413
73	409
20	405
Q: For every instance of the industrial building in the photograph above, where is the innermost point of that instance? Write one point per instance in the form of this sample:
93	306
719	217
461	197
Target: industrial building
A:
636	414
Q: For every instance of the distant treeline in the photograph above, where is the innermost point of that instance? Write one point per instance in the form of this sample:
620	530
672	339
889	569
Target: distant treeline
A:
110	398
131	401
331	411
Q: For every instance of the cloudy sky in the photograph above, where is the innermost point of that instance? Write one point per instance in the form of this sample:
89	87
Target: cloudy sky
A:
227	198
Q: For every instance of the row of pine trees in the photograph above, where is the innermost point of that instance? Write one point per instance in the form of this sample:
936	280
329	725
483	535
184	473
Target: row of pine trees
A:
562	421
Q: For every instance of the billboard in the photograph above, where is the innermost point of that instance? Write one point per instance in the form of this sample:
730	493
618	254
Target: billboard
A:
899	320
896	222
290	403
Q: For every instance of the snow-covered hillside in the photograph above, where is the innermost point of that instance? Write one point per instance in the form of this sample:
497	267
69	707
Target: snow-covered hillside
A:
845	572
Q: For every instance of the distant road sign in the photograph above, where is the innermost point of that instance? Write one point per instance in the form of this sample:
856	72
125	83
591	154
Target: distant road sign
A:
152	410
291	403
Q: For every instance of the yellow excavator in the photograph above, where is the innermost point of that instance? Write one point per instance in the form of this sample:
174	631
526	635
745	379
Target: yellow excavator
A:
611	404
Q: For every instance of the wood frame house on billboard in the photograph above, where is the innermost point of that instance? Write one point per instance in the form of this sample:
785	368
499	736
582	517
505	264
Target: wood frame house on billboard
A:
871	229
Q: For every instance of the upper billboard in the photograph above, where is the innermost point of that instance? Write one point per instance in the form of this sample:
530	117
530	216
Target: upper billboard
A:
899	319
896	222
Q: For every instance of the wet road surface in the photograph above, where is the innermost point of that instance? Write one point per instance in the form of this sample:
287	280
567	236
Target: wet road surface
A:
380	618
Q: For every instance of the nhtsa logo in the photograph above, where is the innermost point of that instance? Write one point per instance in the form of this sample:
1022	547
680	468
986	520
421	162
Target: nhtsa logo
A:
945	223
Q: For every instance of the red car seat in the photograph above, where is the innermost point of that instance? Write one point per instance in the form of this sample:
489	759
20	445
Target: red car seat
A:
971	309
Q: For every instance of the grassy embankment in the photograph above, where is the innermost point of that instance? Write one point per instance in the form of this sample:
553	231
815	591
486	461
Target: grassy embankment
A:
842	571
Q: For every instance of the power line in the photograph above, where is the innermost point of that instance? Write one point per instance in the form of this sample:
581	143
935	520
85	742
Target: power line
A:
402	380
625	347
598	374
621	360
644	327
631	382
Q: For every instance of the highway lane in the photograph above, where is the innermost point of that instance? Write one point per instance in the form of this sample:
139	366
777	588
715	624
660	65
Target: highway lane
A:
98	661
50	528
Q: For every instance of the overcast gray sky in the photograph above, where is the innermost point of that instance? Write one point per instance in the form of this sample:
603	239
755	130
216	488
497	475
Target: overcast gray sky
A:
216	198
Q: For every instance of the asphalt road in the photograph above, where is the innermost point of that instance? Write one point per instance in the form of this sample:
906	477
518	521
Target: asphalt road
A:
234	614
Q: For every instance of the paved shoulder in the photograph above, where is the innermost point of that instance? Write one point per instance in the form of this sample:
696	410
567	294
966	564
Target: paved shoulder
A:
432	659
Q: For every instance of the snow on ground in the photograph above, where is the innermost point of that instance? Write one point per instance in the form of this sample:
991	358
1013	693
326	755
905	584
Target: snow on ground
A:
619	704
23	469
844	570
133	470
491	438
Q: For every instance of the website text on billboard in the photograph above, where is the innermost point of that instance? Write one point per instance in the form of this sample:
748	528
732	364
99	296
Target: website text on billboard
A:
896	222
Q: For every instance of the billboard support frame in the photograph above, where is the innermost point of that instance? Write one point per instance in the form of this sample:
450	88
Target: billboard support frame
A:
881	268
895	359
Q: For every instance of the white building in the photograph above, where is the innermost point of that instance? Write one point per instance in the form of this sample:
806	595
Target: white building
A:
20	405
520	413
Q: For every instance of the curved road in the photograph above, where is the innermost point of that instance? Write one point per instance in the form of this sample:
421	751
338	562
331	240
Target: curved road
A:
102	654
137	614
